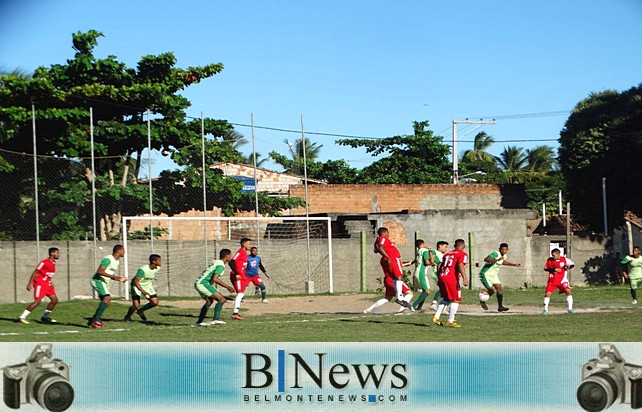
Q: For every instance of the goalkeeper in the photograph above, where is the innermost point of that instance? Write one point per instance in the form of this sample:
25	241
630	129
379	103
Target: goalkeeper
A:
252	272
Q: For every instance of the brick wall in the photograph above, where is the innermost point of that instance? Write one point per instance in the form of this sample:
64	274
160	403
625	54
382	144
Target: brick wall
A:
394	198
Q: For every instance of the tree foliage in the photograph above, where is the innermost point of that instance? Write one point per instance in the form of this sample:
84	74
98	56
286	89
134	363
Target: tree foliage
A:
418	158
603	138
120	98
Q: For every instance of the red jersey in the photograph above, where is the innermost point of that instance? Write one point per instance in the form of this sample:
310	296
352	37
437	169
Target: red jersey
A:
449	271
558	278
46	269
388	247
240	260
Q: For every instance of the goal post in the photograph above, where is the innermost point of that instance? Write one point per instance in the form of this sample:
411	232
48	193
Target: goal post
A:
295	251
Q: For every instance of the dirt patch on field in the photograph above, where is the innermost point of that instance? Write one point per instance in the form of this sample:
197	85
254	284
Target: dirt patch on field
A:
355	304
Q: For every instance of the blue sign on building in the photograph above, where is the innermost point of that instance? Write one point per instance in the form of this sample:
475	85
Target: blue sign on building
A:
248	183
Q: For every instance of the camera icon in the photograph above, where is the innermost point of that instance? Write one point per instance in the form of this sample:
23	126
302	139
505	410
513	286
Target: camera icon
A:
608	379
41	379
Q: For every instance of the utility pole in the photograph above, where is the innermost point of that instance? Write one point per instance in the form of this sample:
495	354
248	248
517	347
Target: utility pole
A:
455	158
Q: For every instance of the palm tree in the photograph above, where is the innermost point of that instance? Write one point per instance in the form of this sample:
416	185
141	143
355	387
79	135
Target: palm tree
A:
512	160
249	160
296	149
234	139
482	142
540	159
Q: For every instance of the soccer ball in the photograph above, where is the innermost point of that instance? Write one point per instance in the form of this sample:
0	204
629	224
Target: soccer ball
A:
483	296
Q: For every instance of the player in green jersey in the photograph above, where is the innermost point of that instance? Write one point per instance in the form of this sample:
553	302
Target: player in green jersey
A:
435	257
204	285
633	271
422	263
489	275
142	285
105	273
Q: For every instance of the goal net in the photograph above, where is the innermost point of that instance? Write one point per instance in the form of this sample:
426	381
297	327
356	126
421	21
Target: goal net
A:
295	251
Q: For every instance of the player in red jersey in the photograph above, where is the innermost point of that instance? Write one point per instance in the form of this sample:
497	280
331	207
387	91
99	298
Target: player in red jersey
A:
238	264
557	267
40	280
451	269
392	272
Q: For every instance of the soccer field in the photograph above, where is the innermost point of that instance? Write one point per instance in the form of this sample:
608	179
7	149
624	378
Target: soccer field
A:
603	314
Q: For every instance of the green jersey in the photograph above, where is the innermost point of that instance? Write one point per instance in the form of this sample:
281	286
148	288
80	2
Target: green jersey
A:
492	268
111	265
437	257
635	266
216	268
146	276
421	257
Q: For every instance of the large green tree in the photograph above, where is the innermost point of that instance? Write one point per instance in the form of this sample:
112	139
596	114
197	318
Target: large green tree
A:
120	98
418	158
603	138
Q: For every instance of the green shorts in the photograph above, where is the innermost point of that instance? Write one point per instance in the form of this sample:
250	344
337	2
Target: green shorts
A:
423	279
101	287
135	292
635	282
489	279
205	289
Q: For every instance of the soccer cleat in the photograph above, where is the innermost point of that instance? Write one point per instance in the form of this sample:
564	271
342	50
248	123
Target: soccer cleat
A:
23	321
433	306
96	325
264	301
217	322
127	319
202	324
452	324
142	316
236	316
571	312
404	303
502	309
366	311
483	305
544	312
437	321
634	302
48	320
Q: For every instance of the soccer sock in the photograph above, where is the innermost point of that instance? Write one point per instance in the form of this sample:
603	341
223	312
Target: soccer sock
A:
26	313
500	300
237	302
453	310
633	295
569	300
144	308
377	305
201	316
420	300
437	296
546	302
102	307
130	311
399	289
217	310
263	292
46	313
440	308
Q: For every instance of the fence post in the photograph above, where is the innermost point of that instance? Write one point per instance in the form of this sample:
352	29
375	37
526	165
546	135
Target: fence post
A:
362	241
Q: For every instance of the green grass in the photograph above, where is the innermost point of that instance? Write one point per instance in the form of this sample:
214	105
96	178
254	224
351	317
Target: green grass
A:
615	320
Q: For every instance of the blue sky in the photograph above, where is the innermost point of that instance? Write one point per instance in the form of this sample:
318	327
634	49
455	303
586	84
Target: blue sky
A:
362	68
